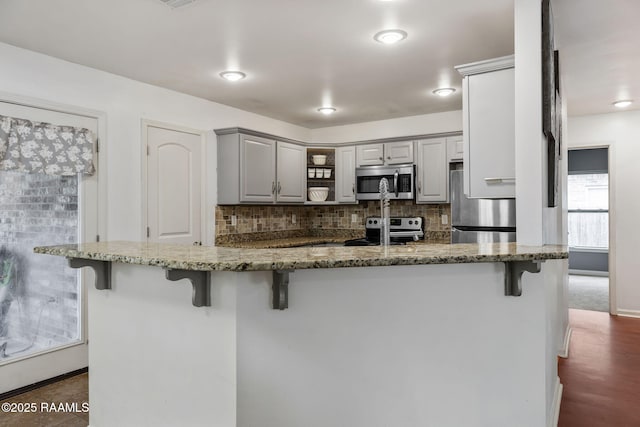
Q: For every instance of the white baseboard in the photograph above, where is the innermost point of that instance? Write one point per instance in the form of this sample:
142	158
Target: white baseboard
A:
629	313
589	273
564	351
554	415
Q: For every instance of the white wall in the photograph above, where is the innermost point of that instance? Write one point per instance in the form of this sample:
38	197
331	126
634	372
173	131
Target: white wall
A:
126	102
450	121
621	133
537	224
528	117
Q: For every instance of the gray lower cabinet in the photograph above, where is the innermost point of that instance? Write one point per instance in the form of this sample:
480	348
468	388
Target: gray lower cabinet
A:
253	169
432	169
346	174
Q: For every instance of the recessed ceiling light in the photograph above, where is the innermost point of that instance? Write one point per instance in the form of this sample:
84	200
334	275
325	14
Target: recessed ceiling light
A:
326	110
390	36
232	76
623	104
444	91
176	3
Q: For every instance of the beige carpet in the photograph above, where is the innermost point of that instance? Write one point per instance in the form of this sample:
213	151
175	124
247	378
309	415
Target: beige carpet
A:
589	293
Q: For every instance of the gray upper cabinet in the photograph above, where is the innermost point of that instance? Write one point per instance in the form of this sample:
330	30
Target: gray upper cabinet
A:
257	169
346	174
290	172
253	169
396	153
370	154
489	128
388	153
432	183
455	148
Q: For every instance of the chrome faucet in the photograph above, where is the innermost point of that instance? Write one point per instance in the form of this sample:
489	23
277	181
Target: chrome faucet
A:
385	226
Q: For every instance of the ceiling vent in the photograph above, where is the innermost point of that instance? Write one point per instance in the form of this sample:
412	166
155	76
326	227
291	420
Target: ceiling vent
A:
177	3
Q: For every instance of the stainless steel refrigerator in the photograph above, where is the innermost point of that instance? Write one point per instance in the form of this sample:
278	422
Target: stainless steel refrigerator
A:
480	220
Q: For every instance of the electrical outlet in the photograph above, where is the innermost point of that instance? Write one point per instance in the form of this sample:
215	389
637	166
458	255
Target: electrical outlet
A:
354	218
234	220
445	219
293	218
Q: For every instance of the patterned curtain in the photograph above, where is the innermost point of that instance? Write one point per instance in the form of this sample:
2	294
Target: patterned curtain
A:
35	147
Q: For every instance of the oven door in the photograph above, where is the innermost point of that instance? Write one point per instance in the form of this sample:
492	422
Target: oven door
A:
401	182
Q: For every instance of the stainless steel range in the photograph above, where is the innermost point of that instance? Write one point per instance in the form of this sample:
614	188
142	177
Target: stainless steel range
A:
403	229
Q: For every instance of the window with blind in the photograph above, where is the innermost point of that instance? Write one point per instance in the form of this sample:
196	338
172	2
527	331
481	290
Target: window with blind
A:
588	199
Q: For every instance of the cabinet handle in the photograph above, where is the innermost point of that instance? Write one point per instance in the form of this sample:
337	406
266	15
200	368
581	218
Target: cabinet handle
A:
500	180
279	187
388	157
381	158
353	188
273	187
419	187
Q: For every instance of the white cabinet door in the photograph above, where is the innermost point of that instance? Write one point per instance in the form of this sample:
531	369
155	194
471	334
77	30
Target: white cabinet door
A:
346	174
455	148
173	186
490	134
370	154
257	169
398	152
291	161
432	169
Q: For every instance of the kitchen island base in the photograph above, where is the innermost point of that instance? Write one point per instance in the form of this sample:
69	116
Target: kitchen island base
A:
395	346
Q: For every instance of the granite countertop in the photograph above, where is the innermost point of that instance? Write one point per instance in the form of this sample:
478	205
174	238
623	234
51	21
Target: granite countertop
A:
205	258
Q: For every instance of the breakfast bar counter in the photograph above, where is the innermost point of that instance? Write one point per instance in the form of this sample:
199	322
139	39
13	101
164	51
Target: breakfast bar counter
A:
205	258
429	335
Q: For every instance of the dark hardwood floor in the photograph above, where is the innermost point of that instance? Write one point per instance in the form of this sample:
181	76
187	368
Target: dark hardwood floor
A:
601	377
35	408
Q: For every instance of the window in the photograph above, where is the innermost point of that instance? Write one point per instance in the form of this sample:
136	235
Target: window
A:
39	296
588	210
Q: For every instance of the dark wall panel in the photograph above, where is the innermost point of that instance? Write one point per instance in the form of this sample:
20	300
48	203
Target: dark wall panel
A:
590	261
594	160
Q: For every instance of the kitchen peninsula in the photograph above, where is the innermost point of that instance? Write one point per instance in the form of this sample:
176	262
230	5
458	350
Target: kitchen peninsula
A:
416	335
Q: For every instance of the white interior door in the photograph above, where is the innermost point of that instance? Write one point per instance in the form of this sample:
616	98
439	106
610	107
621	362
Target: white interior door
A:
46	329
174	193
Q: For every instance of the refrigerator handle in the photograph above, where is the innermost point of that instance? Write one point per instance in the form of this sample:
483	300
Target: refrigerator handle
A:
499	180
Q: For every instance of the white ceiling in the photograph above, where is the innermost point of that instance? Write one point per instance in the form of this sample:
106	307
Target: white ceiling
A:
300	54
599	44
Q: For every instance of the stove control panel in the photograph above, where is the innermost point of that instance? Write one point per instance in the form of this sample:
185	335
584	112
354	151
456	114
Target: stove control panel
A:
396	223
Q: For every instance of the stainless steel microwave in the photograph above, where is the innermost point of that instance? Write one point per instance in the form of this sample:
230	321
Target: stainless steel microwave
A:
401	181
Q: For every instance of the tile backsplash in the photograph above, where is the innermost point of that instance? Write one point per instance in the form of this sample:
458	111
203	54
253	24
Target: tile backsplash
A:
258	219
